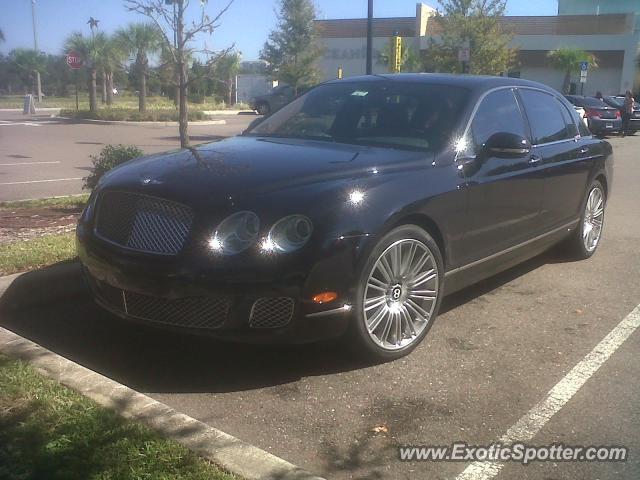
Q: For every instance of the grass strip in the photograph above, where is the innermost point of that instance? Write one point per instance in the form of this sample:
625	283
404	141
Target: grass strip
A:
35	253
50	431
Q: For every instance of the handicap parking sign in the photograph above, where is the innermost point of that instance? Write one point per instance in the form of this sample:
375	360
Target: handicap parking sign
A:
584	66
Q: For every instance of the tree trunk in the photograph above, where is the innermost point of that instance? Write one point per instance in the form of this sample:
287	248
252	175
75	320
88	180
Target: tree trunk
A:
142	95
93	103
183	118
103	99
230	102
109	89
39	87
176	99
567	81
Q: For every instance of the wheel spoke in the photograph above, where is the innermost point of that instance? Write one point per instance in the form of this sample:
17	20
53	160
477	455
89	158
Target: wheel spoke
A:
374	302
418	309
408	320
406	264
376	319
423	294
423	278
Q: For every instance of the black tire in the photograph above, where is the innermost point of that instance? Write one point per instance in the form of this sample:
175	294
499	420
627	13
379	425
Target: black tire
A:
358	335
575	245
263	108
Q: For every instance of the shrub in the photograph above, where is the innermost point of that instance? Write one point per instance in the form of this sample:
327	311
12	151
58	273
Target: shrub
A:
109	157
132	115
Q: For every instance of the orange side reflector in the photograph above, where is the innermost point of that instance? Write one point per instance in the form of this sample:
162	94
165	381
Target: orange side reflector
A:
325	297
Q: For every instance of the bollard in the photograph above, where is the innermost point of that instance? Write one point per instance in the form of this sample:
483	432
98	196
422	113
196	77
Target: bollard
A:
29	107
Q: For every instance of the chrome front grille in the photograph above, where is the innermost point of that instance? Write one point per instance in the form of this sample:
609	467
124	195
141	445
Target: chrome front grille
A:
271	312
143	223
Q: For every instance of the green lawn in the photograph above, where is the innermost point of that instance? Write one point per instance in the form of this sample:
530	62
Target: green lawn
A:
125	101
70	201
26	255
49	431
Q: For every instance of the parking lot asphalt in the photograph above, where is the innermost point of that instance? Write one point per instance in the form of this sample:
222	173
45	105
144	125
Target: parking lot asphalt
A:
495	351
42	156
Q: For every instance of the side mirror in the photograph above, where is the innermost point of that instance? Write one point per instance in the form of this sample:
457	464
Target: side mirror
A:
507	145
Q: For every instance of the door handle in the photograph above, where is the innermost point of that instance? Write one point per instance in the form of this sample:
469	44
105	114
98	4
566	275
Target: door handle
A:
533	159
584	150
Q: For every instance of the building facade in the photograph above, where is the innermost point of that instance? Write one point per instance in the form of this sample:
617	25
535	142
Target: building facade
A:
612	36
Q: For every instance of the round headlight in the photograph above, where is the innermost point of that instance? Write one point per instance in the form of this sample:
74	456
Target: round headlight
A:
290	233
236	233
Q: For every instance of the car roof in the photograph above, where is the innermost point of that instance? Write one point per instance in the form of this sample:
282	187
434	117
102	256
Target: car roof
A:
471	82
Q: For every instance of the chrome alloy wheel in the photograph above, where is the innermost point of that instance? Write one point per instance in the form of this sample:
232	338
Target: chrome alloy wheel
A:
593	219
401	294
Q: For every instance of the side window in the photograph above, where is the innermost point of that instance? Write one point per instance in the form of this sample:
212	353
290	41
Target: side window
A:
545	117
498	112
568	117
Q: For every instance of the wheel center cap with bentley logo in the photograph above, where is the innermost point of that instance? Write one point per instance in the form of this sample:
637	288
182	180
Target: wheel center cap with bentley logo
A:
395	293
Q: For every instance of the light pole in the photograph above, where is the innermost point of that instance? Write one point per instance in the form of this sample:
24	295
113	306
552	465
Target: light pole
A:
35	46
370	38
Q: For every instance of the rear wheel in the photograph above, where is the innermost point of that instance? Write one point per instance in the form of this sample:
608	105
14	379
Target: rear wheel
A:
263	108
586	238
399	293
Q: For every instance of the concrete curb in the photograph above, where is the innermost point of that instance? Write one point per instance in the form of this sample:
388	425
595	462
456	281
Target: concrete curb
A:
229	112
37	287
220	448
162	124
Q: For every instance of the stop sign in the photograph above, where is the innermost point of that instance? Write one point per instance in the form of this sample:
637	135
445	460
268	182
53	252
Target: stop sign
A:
73	60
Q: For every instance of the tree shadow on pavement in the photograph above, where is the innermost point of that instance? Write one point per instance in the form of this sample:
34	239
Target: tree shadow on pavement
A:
154	360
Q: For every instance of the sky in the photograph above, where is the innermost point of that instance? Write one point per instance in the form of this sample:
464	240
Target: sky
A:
246	24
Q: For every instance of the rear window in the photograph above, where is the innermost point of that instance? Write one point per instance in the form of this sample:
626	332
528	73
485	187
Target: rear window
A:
391	114
592	102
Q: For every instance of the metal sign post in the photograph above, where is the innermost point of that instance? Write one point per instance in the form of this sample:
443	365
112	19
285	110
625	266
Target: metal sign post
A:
75	62
584	70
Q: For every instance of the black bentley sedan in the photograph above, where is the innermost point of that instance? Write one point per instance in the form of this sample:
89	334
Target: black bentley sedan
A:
351	211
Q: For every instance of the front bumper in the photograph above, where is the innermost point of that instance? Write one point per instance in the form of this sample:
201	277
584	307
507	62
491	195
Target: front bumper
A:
183	295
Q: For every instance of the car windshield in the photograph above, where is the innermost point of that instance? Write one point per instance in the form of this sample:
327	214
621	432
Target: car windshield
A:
391	114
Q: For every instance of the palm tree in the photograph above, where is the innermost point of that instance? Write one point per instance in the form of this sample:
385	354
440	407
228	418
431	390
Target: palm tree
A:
91	50
27	63
140	40
110	60
569	59
1	36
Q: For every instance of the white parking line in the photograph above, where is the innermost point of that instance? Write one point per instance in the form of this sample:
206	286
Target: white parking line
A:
43	181
533	421
26	163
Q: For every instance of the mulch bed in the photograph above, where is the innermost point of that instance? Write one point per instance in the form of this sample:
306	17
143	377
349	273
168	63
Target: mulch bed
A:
26	223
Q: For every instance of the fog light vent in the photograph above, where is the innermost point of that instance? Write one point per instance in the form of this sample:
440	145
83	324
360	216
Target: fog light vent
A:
272	312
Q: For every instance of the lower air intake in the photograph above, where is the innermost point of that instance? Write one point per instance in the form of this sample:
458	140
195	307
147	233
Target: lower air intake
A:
271	312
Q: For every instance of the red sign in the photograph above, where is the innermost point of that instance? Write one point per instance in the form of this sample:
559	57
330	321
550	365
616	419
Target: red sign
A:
73	60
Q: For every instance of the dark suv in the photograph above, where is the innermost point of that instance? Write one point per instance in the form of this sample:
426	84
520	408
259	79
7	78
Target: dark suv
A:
269	103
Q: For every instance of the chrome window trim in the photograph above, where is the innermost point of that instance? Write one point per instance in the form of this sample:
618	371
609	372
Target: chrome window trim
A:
514	88
512	248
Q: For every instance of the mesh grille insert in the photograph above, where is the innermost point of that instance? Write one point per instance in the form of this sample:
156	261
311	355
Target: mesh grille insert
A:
194	312
143	223
271	312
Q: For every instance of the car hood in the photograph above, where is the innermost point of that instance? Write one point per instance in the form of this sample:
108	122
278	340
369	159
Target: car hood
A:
239	167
